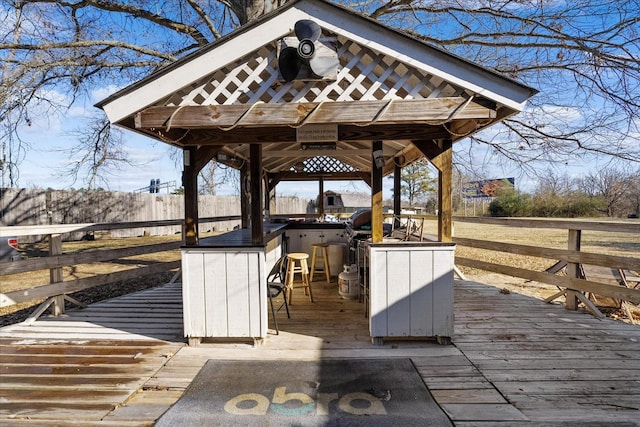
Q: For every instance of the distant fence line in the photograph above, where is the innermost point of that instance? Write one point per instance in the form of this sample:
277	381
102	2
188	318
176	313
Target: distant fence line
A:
21	207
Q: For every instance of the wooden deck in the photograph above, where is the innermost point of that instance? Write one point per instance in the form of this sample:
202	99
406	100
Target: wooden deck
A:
514	361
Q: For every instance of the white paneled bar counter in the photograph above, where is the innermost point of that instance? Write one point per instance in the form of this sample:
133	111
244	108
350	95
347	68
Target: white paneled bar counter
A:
224	283
411	290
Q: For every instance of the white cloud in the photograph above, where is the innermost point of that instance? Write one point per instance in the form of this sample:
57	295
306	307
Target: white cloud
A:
78	112
46	115
101	93
564	114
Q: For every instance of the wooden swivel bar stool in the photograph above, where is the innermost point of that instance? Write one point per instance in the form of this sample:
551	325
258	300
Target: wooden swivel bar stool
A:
298	264
320	252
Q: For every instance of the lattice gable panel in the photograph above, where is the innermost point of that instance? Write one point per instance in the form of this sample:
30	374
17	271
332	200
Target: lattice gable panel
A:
364	75
323	164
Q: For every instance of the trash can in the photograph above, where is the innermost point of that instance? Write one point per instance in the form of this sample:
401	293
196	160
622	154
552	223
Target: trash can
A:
336	252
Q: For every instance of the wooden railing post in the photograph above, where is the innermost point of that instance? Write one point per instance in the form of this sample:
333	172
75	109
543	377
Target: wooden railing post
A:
55	274
573	269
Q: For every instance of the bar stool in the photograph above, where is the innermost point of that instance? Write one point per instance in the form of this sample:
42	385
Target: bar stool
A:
323	256
298	264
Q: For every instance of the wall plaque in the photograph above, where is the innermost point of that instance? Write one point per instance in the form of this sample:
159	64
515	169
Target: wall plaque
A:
317	133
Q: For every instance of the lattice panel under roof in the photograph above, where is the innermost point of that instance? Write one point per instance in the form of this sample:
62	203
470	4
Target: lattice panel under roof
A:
322	164
364	75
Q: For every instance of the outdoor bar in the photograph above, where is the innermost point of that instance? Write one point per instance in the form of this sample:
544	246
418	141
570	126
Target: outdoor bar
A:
409	285
360	102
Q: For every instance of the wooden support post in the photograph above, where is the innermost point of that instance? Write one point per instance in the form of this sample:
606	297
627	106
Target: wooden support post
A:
245	196
321	197
441	156
445	188
270	199
190	185
273	201
573	269
397	205
266	194
255	169
376	195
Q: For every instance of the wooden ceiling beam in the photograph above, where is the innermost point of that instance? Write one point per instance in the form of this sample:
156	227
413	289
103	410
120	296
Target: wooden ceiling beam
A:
418	149
276	177
412	111
437	152
365	176
186	137
204	155
314	153
428	148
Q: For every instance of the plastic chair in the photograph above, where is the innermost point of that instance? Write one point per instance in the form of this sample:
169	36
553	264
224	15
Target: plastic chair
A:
276	286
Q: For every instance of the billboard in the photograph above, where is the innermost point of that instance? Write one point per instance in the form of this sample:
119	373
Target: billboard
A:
486	188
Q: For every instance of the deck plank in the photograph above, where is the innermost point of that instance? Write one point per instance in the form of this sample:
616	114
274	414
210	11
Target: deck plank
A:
78	369
558	367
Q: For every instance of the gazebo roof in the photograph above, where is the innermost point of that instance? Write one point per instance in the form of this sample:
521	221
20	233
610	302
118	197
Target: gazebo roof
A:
389	86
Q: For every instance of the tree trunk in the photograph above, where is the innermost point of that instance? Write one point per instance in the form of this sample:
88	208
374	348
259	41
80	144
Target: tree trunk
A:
248	10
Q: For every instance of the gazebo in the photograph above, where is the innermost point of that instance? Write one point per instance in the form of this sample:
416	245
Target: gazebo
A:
311	91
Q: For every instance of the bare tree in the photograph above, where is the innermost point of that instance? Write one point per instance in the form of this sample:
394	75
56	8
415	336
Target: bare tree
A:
632	195
611	185
552	184
99	152
583	55
416	181
213	175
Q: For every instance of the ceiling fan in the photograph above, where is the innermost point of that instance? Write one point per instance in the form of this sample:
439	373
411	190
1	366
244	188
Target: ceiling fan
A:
309	56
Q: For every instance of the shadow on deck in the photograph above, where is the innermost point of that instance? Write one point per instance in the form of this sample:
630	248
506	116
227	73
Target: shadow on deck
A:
514	359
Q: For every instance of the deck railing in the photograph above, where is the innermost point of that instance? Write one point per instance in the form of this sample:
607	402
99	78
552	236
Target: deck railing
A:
572	285
58	289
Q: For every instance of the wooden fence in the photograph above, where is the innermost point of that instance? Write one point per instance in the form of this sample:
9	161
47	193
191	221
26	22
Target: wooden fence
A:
20	207
572	256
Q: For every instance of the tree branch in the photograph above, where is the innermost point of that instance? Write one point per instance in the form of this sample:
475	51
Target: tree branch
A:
205	17
124	8
46	47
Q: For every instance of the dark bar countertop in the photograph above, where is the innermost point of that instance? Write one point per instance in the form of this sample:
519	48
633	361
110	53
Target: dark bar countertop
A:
242	236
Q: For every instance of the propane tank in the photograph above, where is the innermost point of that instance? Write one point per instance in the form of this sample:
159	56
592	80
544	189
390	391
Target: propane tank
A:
348	287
